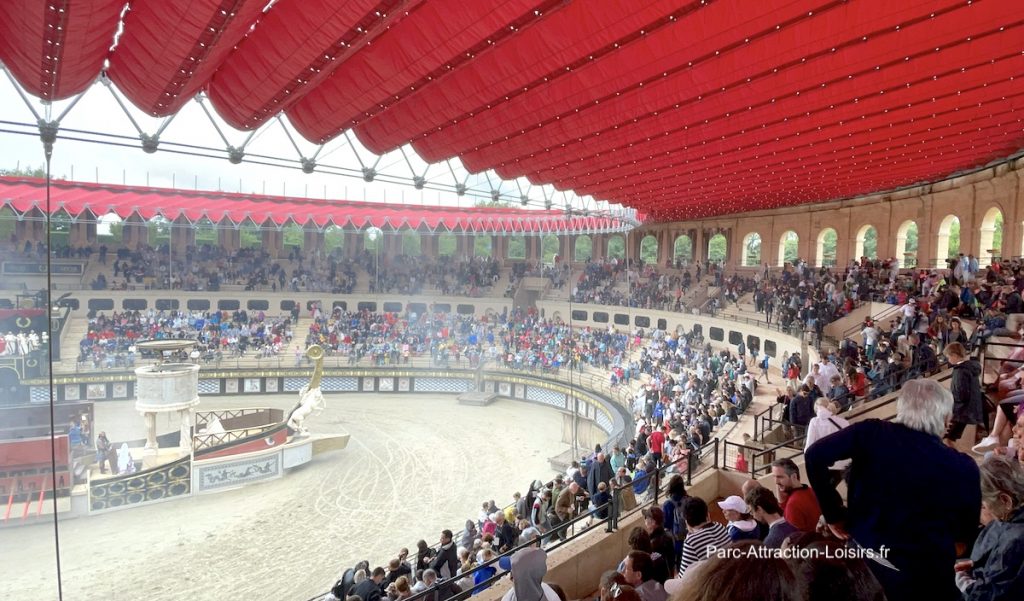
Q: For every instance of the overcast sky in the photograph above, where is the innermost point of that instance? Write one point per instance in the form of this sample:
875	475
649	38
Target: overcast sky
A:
97	111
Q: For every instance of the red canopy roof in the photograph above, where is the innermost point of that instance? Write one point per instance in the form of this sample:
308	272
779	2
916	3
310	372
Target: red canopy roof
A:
94	200
681	108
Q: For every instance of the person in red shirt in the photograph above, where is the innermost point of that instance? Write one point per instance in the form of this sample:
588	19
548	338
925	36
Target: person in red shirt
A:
799	505
656	442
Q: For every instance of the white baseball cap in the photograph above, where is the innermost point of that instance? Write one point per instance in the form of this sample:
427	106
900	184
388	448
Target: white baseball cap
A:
734	503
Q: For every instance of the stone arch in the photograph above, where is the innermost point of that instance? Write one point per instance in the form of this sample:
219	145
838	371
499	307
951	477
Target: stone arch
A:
789	247
947	239
866	242
682	248
549	248
991	236
649	250
751	250
616	247
583	249
825	248
906	244
718	246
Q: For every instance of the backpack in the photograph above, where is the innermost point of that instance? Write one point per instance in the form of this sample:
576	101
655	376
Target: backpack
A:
678	519
764	362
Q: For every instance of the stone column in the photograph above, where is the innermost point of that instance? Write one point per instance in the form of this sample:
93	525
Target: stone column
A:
229	237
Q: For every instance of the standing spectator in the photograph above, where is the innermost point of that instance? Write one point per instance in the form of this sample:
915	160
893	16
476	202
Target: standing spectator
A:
600	470
995	571
968	406
799	504
662	543
564	509
765	509
702	535
103	453
892	462
826	422
446	562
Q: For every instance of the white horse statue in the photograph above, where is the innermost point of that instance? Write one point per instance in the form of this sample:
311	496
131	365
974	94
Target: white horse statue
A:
311	400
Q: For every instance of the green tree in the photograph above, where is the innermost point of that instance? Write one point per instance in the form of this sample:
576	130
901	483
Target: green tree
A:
682	248
871	243
716	248
293	236
584	249
791	247
548	248
516	248
28	171
206	232
159	230
828	248
649	250
334	237
954	238
752	252
997	236
412	244
446	245
482	246
616	248
60	229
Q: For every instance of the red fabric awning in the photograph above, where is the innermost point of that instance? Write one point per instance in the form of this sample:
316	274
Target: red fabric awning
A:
680	108
89	201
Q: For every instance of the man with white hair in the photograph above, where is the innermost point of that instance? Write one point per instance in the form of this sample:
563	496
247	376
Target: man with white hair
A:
911	498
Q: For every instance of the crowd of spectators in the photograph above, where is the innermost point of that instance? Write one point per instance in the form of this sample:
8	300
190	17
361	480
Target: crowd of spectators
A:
110	341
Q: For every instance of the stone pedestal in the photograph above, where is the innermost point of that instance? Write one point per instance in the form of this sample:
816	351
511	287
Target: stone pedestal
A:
164	388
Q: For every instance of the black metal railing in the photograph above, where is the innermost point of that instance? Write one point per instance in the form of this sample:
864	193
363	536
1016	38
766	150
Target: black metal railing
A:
586	522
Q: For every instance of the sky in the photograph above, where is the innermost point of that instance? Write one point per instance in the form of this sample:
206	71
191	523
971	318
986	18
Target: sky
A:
98	111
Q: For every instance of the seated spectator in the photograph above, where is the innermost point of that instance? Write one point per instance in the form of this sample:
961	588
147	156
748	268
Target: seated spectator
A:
742	525
743	578
528	567
639	573
765	509
663	545
703	536
829	576
892	462
995	571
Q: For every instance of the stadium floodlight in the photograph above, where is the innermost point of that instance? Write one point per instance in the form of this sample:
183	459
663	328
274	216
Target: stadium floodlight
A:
308	165
419	182
368	174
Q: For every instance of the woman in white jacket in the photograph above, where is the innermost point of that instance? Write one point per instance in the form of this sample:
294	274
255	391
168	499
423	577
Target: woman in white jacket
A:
824	423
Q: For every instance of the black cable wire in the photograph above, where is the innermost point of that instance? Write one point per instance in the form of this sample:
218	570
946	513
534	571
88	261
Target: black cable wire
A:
49	334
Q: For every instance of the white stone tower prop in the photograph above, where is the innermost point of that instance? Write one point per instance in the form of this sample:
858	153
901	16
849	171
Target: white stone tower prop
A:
165	387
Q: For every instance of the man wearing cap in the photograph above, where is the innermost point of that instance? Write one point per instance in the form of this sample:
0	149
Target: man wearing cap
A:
742	525
663	544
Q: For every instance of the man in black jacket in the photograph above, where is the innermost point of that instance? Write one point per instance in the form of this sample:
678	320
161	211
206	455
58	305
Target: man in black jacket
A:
369	589
446	562
801	408
965	386
892	463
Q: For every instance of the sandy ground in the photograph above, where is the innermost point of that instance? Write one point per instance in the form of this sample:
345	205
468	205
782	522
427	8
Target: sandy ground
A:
416	464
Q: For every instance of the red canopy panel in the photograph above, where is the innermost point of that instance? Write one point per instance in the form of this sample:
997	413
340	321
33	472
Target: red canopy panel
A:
543	44
93	200
55	49
296	45
406	57
765	68
169	50
609	56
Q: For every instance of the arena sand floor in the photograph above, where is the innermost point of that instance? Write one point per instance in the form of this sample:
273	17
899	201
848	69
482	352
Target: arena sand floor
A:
415	464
